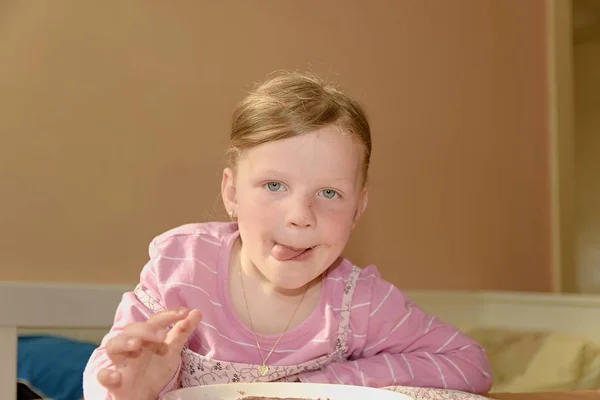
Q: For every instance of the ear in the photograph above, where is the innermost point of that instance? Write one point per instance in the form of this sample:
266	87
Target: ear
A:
228	190
361	206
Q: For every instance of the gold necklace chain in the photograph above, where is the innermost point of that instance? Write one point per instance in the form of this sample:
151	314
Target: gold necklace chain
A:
264	369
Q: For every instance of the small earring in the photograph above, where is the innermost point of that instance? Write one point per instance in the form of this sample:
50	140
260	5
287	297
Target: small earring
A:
231	215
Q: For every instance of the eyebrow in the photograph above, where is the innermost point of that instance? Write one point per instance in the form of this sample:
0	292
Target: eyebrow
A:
343	180
271	172
274	172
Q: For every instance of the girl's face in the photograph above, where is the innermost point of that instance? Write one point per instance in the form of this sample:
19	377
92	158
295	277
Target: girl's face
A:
296	200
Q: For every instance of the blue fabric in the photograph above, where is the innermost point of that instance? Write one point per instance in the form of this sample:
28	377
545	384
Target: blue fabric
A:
53	366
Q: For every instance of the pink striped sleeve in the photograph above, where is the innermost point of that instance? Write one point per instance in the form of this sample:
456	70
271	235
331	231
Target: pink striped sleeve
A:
396	343
129	310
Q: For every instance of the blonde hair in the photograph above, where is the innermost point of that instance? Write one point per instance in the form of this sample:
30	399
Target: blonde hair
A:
290	104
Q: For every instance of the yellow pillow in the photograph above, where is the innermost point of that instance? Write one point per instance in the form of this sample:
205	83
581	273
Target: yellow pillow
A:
537	361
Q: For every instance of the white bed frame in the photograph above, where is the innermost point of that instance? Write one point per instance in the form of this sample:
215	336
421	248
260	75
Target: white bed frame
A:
86	312
78	311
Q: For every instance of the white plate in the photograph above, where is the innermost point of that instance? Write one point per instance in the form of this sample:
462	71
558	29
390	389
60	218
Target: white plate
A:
235	391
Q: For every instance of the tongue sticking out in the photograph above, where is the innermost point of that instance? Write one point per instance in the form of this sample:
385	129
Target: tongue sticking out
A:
284	253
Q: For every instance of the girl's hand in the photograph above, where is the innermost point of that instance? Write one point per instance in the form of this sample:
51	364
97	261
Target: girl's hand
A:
145	356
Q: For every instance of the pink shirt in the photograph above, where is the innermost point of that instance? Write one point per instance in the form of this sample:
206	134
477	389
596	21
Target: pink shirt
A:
363	332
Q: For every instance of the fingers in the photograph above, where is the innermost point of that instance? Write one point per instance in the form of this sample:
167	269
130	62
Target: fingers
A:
177	336
135	335
121	347
140	337
155	328
109	379
167	317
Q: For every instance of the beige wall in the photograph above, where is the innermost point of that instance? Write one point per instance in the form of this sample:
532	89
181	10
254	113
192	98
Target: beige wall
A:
587	141
114	120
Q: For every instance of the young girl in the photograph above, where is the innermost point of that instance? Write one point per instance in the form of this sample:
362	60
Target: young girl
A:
267	296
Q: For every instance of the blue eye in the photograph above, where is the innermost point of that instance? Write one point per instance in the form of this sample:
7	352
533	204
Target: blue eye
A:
329	193
274	186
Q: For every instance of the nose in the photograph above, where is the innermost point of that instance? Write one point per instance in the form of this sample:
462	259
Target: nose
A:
300	212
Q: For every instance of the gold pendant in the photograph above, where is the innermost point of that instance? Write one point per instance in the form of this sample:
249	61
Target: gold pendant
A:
262	370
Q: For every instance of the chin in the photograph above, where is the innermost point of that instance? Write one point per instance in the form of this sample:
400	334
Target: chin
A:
288	283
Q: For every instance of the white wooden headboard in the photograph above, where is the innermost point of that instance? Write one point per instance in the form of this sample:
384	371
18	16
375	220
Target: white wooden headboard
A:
81	311
87	311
